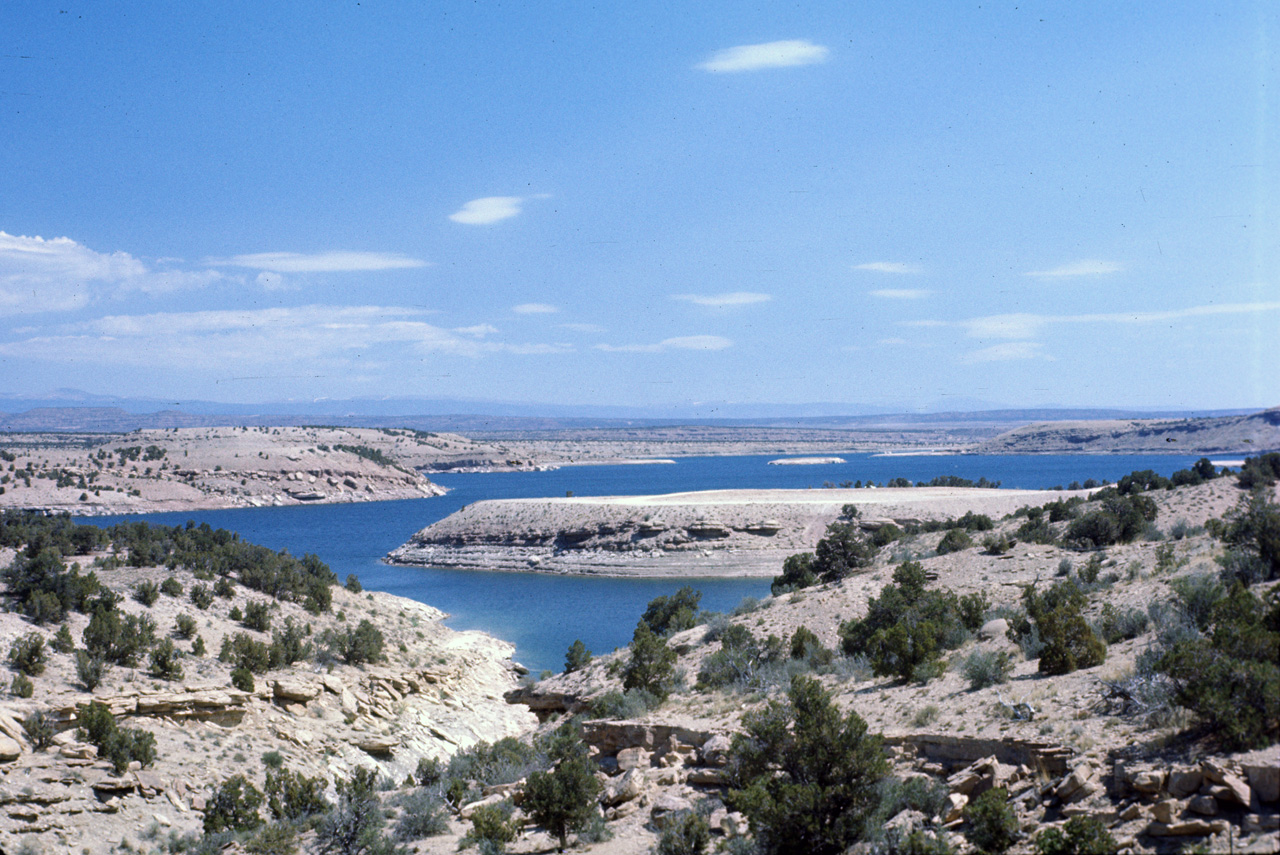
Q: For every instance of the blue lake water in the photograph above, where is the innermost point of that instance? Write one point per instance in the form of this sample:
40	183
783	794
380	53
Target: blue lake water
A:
542	614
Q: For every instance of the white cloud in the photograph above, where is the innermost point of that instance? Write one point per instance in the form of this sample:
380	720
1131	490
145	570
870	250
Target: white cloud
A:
271	281
689	342
38	275
724	301
781	54
1007	352
321	262
490	209
1085	267
478	330
889	267
302	338
582	328
901	293
1004	326
534	309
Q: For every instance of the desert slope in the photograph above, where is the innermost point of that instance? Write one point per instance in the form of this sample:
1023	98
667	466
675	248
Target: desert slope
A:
1251	434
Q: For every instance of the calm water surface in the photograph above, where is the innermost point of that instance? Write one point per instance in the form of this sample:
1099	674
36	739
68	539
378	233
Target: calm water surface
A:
541	614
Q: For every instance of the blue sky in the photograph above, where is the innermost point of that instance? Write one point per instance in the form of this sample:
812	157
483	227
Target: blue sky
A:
900	204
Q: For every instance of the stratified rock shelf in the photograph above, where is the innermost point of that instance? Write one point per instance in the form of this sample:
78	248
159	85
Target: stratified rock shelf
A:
711	533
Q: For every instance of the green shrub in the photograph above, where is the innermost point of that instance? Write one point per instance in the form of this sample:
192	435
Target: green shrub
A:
577	657
994	544
146	592
171	587
201	597
289	645
797	573
1251	532
197	646
97	726
244	651
27	654
671	614
184	626
353	583
273	759
235	614
233	806
163	662
1081	835
62	640
294	797
652	663
22	687
224	588
616	705
356	645
117	638
39	730
1230	677
806	646
492	828
1116	625
1116	519
430	772
1068	642
89	670
685	834
354	826
907	628
257	615
993	824
955	540
242	678
423	815
806	779
1200	595
985	668
565	799
276	838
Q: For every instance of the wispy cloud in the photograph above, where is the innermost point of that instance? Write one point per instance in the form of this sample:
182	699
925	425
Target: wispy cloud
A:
321	262
265	340
582	328
487	210
1084	267
59	274
1026	325
901	293
689	342
534	309
724	301
1007	352
889	267
783	54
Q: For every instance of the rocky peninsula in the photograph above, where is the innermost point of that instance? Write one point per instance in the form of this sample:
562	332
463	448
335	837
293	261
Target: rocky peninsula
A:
707	533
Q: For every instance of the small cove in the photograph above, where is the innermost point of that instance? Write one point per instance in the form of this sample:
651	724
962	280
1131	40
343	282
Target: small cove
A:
543	614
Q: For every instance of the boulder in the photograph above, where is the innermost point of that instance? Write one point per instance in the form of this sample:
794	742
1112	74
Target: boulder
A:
1149	782
1264	779
715	751
1232	790
295	691
1184	782
376	744
624	788
1188	828
633	758
705	777
1166	811
1255	824
954	808
469	809
994	629
1203	805
10	749
666	806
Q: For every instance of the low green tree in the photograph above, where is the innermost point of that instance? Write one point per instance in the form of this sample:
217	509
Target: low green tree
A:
806	778
233	806
577	657
993	824
668	615
564	800
652	663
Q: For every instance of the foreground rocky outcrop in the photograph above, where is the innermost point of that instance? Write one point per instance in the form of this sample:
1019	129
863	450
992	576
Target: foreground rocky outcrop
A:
711	533
436	691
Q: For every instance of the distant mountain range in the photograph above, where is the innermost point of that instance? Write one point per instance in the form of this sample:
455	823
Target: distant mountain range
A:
118	418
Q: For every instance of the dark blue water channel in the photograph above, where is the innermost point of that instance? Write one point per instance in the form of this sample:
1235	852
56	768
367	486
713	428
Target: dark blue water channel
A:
542	614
